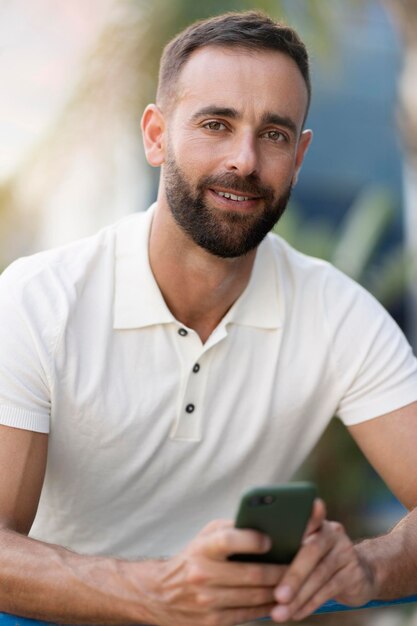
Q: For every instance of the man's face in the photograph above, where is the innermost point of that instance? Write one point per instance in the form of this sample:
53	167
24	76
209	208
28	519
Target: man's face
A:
229	232
233	146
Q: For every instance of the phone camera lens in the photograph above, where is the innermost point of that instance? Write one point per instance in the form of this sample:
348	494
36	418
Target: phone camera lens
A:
255	501
268	499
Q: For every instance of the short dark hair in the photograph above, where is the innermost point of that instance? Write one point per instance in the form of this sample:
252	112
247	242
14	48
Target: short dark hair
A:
251	30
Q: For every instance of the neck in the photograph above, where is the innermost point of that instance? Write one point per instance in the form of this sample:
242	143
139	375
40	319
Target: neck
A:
198	287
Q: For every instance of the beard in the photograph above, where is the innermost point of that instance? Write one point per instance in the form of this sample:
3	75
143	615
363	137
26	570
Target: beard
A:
225	234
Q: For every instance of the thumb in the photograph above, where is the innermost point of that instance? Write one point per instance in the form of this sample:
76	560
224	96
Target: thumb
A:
318	515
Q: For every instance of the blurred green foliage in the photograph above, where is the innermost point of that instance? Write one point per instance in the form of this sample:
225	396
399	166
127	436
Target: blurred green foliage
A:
354	245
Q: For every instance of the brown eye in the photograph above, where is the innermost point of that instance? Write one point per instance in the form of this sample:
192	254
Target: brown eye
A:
213	125
275	135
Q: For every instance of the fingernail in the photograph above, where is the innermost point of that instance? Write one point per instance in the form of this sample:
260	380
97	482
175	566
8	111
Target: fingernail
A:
283	594
280	614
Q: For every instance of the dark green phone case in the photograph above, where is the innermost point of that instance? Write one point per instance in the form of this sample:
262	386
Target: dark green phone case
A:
282	513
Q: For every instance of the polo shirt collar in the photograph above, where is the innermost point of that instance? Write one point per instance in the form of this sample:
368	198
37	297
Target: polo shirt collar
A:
260	305
138	301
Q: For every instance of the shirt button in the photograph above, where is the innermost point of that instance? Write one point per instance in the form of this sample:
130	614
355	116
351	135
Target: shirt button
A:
190	408
182	332
196	368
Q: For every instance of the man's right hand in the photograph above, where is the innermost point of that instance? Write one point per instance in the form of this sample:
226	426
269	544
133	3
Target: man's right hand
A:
200	585
41	580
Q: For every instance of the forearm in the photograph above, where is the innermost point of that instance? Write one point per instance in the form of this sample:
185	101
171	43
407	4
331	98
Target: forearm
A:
197	586
392	559
51	583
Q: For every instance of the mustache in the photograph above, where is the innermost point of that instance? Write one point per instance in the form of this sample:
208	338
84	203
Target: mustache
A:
249	184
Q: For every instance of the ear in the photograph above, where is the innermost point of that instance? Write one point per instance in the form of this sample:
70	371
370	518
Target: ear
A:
305	140
153	130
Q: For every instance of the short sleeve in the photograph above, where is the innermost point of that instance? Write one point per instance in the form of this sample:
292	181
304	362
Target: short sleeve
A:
371	355
24	352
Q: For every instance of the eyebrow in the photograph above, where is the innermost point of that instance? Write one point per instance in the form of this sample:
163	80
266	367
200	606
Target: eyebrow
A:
267	118
280	120
215	110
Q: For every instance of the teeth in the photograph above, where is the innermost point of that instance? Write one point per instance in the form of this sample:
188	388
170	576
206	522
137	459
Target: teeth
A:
231	196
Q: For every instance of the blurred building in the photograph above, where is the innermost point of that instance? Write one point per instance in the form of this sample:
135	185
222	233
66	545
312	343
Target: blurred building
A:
353	114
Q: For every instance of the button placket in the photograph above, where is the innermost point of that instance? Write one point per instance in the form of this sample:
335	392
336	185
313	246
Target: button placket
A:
188	422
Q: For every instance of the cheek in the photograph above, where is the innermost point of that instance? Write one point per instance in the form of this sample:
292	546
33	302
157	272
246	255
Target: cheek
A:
202	149
197	157
198	145
278	172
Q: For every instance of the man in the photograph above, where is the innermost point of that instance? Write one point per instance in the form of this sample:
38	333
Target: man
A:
182	355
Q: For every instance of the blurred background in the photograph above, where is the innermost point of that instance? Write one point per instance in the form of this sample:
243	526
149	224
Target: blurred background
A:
75	77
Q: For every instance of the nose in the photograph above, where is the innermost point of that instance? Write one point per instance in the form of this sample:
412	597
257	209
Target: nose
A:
243	157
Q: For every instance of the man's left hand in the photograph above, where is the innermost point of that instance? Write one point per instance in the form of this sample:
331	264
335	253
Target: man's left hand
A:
327	566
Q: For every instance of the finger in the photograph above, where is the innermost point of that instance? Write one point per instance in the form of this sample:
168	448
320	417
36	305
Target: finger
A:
251	574
234	597
329	591
224	541
215	525
326	571
314	549
231	574
318	515
242	615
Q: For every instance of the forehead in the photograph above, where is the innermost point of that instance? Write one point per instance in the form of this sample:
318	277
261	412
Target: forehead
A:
250	81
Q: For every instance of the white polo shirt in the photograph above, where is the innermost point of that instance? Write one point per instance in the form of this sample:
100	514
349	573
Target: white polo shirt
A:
152	433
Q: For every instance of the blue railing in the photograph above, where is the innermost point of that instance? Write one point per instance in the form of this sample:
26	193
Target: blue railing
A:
328	607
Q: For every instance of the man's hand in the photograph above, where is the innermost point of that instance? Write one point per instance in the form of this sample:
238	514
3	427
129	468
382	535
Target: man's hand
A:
327	566
201	586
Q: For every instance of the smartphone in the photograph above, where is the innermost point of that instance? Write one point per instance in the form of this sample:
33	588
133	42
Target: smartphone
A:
282	513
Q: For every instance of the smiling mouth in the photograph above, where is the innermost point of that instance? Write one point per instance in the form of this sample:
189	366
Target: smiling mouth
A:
232	196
